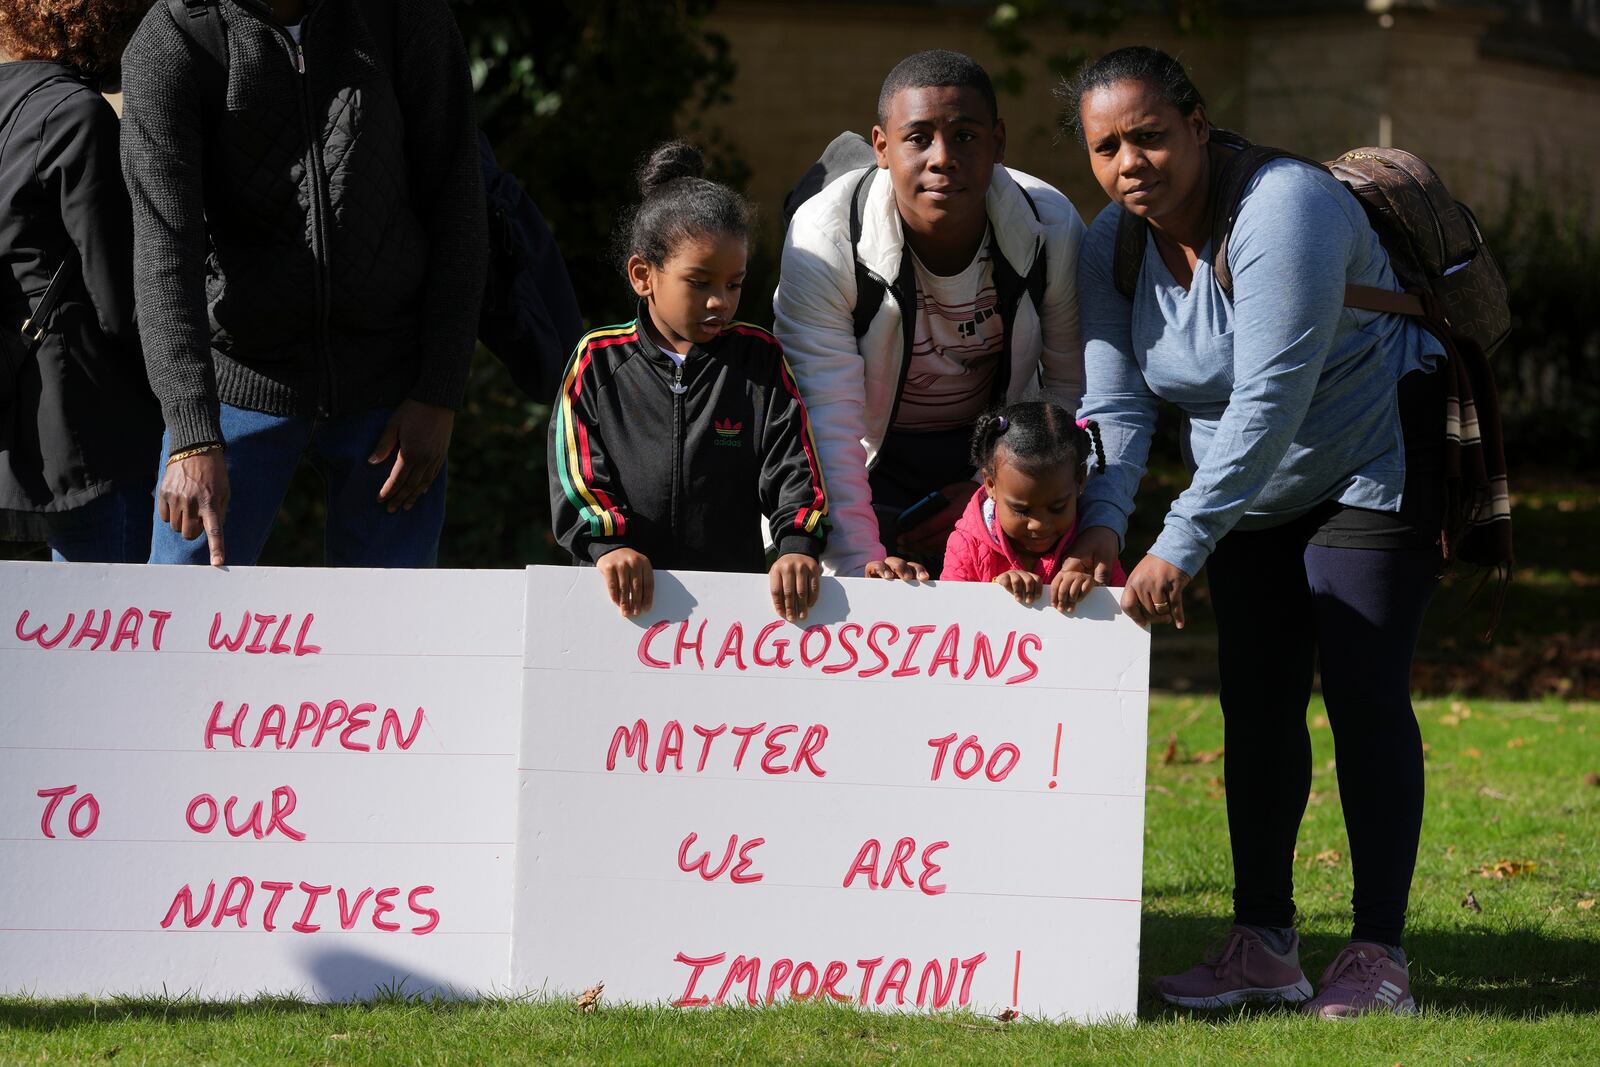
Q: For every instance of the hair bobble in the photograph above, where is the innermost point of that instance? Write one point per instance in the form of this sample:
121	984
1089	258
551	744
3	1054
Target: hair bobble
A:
1001	424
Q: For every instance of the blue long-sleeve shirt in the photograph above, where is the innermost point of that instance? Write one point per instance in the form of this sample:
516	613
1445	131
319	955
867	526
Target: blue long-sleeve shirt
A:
1289	395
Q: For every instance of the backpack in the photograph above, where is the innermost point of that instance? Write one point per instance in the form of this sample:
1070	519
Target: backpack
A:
849	152
529	318
1434	243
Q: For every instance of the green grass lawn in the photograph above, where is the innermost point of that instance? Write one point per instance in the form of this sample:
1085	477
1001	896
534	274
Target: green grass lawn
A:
1517	981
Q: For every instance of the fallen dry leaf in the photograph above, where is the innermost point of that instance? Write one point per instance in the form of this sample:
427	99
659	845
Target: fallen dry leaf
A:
1472	753
1319	723
1516	742
1591	778
1493	794
1170	756
1586	903
1327	857
1008	1015
1449	720
1506	868
589	999
1470	902
1461	709
1208	756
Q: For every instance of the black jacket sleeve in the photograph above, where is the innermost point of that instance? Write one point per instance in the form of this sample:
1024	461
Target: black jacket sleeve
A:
792	492
434	87
589	515
162	139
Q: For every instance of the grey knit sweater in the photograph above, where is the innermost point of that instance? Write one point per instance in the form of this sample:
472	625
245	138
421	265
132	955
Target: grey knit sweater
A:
309	230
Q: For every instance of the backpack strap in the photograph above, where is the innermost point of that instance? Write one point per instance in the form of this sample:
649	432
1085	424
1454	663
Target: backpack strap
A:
1009	289
869	290
200	22
1127	259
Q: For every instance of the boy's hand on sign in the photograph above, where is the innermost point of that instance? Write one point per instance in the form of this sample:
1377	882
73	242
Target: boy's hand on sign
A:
630	580
1024	586
1068	587
1095	551
1155	592
928	537
193	499
892	567
794	581
418	436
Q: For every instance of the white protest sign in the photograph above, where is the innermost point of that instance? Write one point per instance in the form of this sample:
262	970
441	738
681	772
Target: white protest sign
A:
225	783
927	797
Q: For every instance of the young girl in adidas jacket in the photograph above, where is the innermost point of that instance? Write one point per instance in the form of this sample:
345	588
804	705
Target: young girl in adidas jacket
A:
675	433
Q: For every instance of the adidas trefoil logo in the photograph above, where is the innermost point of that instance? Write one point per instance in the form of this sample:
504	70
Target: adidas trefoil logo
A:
727	433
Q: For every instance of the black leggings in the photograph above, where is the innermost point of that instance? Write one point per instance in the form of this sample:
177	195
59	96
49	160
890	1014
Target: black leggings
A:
1283	604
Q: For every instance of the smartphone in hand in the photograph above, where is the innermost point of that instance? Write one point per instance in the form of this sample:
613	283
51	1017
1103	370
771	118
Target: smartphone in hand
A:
922	510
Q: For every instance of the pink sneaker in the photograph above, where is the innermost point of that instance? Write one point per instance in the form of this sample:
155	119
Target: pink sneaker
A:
1242	970
1363	978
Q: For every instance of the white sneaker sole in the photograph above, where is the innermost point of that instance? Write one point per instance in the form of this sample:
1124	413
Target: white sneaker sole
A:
1297	993
1407	1006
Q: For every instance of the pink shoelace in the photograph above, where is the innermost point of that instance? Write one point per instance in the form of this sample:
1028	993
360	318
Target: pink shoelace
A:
1236	945
1351	960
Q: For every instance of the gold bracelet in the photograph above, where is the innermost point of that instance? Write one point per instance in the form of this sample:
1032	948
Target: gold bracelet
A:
198	450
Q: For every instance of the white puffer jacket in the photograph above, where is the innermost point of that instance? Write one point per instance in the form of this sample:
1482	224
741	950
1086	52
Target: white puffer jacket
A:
849	386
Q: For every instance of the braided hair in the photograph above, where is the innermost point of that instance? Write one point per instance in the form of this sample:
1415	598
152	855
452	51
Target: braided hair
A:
1036	436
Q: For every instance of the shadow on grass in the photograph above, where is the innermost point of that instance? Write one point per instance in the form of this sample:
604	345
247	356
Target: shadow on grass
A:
350	978
1515	973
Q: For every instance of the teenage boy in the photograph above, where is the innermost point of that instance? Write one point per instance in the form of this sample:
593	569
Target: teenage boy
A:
311	244
893	420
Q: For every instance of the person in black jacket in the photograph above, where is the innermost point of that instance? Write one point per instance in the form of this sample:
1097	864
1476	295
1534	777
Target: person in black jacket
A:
675	433
311	239
79	430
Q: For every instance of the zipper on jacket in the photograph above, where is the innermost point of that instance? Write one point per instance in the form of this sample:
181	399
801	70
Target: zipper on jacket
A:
678	389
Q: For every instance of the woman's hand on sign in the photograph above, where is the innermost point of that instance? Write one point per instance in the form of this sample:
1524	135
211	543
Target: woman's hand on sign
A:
794	581
630	580
1094	551
1155	592
892	567
193	499
1022	585
927	538
1068	587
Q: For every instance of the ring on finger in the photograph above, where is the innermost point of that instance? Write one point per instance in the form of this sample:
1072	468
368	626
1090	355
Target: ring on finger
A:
1161	607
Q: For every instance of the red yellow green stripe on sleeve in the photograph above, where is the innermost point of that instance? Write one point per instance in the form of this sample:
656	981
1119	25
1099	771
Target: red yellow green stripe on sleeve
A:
812	515
574	463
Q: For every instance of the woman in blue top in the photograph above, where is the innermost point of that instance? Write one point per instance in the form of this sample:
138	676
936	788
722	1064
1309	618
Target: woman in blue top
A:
1315	510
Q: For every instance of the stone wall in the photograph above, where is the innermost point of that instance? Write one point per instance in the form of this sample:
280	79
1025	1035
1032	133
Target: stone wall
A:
1317	84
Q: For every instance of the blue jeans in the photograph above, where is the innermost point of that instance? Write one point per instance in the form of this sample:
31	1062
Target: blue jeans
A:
263	452
115	528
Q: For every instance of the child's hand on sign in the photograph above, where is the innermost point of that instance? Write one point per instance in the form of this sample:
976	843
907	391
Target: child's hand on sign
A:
794	581
892	567
1068	587
630	580
1021	584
